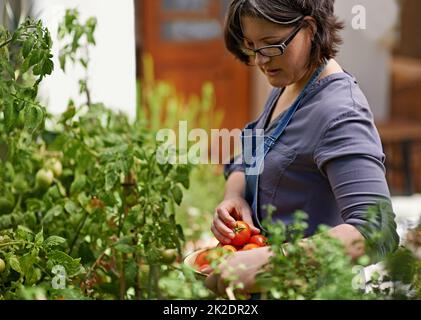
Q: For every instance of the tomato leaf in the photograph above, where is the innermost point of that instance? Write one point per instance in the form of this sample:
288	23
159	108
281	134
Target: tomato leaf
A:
27	47
54	212
61	188
34	116
177	194
72	266
53	241
182	176
15	264
10	116
34	57
47	67
39	238
111	179
70	207
26	263
78	184
24	233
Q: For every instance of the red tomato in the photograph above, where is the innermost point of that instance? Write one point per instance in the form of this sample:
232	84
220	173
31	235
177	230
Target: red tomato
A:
250	246
206	257
260	240
242	234
203	267
201	259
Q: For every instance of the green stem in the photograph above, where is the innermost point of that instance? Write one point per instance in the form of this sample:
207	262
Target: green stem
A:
153	288
31	26
172	207
92	152
24	100
5	43
12	243
122	277
138	285
44	271
17	206
87	91
126	190
120	217
97	261
156	282
79	229
172	267
88	96
150	280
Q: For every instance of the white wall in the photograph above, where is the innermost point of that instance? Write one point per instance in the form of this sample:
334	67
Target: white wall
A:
365	53
113	62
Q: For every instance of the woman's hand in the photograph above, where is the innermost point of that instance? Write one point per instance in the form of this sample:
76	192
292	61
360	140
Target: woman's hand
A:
243	266
227	213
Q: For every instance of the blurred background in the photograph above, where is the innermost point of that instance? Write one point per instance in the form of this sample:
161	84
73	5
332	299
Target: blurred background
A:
184	42
185	39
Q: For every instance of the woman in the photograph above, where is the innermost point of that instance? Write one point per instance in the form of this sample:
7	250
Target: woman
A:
323	155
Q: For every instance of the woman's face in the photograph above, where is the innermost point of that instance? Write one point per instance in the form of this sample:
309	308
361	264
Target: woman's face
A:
281	71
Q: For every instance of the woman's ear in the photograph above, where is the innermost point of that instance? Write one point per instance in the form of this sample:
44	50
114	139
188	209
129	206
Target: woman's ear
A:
312	26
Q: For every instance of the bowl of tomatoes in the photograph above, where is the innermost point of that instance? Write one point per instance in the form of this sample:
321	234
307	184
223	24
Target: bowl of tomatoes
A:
195	260
200	260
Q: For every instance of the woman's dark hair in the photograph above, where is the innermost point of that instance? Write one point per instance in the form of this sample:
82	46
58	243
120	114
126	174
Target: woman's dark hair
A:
287	13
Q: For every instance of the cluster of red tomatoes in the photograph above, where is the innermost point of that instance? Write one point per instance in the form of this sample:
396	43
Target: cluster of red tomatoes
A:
242	241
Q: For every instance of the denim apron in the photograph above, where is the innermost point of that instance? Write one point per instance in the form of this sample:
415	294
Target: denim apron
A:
256	146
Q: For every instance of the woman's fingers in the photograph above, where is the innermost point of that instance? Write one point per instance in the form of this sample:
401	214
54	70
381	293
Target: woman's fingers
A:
253	229
221	238
225	216
222	228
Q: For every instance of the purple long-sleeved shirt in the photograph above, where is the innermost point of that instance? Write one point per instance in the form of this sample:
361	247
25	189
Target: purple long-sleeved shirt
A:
329	162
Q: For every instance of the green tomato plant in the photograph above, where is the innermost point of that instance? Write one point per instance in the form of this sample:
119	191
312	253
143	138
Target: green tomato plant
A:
26	258
91	180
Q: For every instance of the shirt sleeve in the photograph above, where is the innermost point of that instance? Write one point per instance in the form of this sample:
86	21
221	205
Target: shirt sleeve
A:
350	155
234	165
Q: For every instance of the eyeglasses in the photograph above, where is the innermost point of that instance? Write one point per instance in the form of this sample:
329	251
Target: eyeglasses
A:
272	50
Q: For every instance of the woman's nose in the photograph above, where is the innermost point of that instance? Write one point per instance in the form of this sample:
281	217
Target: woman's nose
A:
260	59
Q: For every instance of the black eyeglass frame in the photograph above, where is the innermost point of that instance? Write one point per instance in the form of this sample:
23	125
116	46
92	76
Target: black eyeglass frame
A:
282	46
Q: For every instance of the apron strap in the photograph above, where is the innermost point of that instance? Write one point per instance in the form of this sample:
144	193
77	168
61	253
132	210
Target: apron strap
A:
260	151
